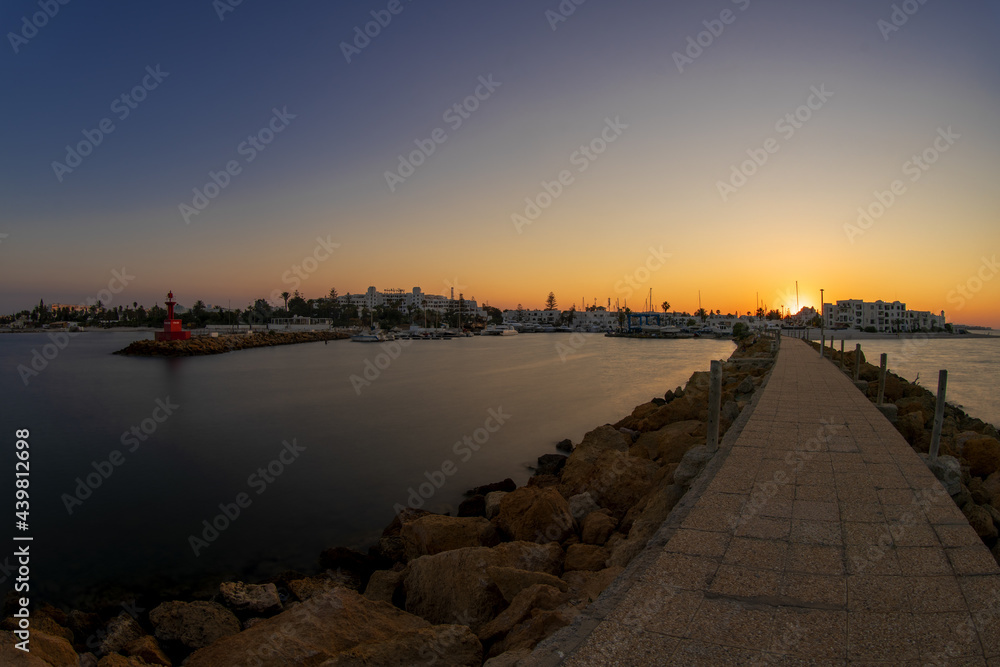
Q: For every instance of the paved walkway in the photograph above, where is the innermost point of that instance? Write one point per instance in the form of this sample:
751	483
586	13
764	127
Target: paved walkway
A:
823	539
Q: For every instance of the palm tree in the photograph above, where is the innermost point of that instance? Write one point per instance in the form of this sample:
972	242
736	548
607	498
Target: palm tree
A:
702	313
285	295
665	306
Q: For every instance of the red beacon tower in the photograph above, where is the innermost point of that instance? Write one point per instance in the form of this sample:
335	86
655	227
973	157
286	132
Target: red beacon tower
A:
172	329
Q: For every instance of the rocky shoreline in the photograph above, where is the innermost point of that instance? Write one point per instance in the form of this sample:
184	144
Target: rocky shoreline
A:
483	587
968	464
201	345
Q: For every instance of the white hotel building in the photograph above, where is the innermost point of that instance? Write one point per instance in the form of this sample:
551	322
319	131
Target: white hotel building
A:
883	315
409	301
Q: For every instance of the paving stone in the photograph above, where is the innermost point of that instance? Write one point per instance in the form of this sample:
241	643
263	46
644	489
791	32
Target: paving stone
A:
878	593
698	543
881	637
814	590
809	633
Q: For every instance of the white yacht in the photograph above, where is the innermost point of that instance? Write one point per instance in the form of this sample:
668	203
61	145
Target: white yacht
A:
500	330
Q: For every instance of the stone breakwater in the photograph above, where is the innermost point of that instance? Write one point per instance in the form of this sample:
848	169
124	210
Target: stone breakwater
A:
968	464
483	587
200	345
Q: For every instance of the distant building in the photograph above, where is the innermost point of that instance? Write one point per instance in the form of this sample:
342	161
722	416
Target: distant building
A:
884	316
73	308
407	302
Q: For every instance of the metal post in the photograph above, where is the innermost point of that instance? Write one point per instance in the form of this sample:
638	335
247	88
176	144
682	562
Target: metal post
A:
938	414
841	354
857	362
714	405
881	378
822	345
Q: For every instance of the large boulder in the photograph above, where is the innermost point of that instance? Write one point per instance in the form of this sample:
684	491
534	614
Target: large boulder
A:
948	471
601	439
692	463
964	437
472	506
585	587
46	650
656	509
536	627
434	533
613	478
550	464
492	501
535	515
922	404
454	587
321	629
147	649
981	521
991	487
121	631
309	587
390	548
512	581
983	456
386	586
588	557
524	604
193	624
911	427
668	444
253	598
597	527
444	645
581	505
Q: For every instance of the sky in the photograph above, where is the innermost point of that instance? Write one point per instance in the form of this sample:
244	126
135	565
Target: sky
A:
598	150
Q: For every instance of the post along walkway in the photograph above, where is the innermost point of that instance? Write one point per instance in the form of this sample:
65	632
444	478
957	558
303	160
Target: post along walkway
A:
823	537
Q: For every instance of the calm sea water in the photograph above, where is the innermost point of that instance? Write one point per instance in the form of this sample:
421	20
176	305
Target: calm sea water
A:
363	446
973	366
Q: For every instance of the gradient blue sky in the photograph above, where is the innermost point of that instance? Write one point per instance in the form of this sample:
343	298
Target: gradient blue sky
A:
655	186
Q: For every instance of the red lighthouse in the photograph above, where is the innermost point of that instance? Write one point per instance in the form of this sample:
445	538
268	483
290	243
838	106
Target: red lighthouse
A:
172	329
